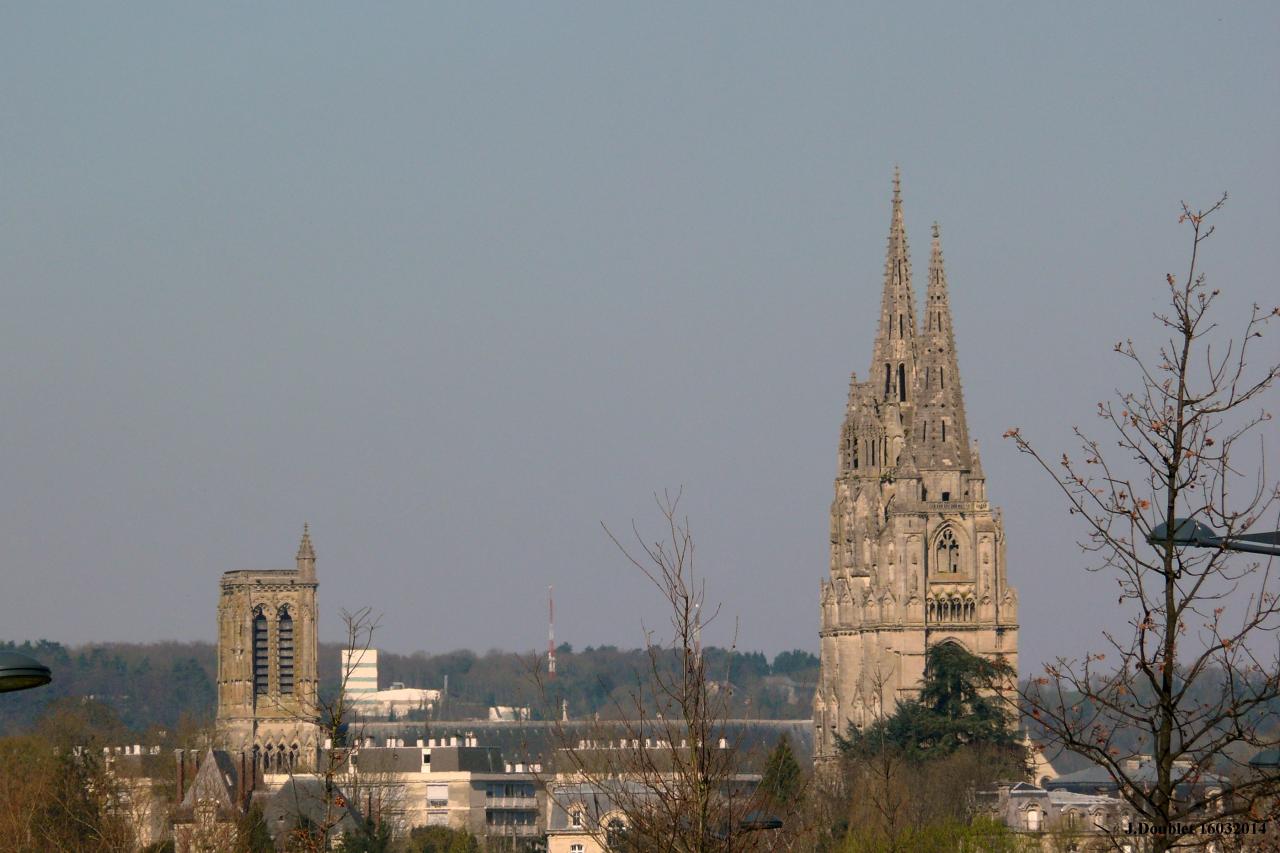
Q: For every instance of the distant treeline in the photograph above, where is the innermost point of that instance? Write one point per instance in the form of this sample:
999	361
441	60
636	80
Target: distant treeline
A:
160	686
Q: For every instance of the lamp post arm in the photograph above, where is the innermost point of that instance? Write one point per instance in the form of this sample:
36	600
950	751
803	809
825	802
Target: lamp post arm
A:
1255	543
1189	532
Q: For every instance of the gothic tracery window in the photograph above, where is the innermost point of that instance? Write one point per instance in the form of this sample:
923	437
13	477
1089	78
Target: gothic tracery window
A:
948	553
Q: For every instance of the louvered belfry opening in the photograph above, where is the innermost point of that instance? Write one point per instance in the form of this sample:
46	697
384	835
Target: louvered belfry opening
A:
261	655
285	639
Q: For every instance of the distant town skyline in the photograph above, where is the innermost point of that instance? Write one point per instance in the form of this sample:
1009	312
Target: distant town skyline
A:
455	285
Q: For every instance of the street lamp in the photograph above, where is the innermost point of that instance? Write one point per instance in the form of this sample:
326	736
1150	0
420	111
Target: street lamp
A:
19	672
1188	531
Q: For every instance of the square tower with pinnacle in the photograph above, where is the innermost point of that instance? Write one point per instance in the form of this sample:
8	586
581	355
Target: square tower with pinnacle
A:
917	551
267	684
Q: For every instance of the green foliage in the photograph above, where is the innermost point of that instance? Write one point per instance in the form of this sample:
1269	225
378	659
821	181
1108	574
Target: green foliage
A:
147	685
372	837
442	839
782	776
796	663
955	709
252	835
162	688
948	836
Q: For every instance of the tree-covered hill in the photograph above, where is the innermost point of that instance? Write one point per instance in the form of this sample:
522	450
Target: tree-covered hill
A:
160	685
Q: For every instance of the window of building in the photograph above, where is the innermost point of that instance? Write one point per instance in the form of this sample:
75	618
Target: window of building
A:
888	379
947	550
284	642
437	795
615	832
576	848
1033	819
261	662
902	382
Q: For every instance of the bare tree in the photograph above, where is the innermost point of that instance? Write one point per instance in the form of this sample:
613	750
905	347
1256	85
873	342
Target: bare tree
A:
668	772
328	807
1186	695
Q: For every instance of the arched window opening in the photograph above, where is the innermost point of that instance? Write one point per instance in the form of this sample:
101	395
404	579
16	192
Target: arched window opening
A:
924	492
284	641
1033	819
948	553
902	382
888	379
944	429
900	325
942	377
261	661
615	833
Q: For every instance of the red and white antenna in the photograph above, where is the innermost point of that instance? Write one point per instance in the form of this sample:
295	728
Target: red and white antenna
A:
551	632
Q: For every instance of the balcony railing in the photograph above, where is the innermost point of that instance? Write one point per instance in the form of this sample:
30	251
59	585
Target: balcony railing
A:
511	802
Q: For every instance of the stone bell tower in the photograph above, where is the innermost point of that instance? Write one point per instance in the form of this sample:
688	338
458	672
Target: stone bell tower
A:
917	552
267	685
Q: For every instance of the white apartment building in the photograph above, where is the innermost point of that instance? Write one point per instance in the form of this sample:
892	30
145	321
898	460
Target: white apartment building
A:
450	782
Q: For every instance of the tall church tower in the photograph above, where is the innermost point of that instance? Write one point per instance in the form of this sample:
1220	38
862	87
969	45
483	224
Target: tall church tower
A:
267	685
917	552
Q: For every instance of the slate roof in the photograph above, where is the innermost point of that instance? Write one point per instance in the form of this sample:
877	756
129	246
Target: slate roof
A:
303	796
215	779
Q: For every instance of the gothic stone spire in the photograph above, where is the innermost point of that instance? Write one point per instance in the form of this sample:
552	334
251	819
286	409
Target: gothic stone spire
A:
941	432
306	556
893	362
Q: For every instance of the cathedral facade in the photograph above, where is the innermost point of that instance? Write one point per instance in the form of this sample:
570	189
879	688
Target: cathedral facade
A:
917	551
267	684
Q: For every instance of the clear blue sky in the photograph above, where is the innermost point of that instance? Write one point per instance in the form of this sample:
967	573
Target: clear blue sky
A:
457	282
